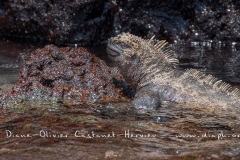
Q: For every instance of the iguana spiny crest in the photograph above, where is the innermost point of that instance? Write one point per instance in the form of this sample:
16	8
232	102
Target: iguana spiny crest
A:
214	82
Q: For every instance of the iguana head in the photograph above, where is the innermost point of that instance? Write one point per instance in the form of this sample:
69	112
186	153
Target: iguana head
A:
122	49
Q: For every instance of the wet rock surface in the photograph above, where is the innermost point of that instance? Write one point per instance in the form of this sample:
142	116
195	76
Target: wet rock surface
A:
72	74
93	21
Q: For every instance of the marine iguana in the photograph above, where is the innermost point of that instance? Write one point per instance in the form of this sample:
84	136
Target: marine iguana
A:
149	66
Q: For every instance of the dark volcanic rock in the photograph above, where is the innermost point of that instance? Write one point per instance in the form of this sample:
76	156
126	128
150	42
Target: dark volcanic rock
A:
217	20
178	20
78	21
88	22
73	74
145	19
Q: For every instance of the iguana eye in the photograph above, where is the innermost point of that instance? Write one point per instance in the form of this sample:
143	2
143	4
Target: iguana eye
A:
124	45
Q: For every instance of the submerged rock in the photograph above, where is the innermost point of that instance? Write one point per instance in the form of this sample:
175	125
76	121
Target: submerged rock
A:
64	74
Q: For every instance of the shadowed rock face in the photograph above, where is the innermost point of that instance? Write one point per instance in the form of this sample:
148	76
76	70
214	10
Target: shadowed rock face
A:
93	21
181	20
80	21
54	73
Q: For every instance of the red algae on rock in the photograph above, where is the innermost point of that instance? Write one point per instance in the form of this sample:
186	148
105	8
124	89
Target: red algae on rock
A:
66	73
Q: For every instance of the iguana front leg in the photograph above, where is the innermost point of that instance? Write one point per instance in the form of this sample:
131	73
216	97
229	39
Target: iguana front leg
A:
146	100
